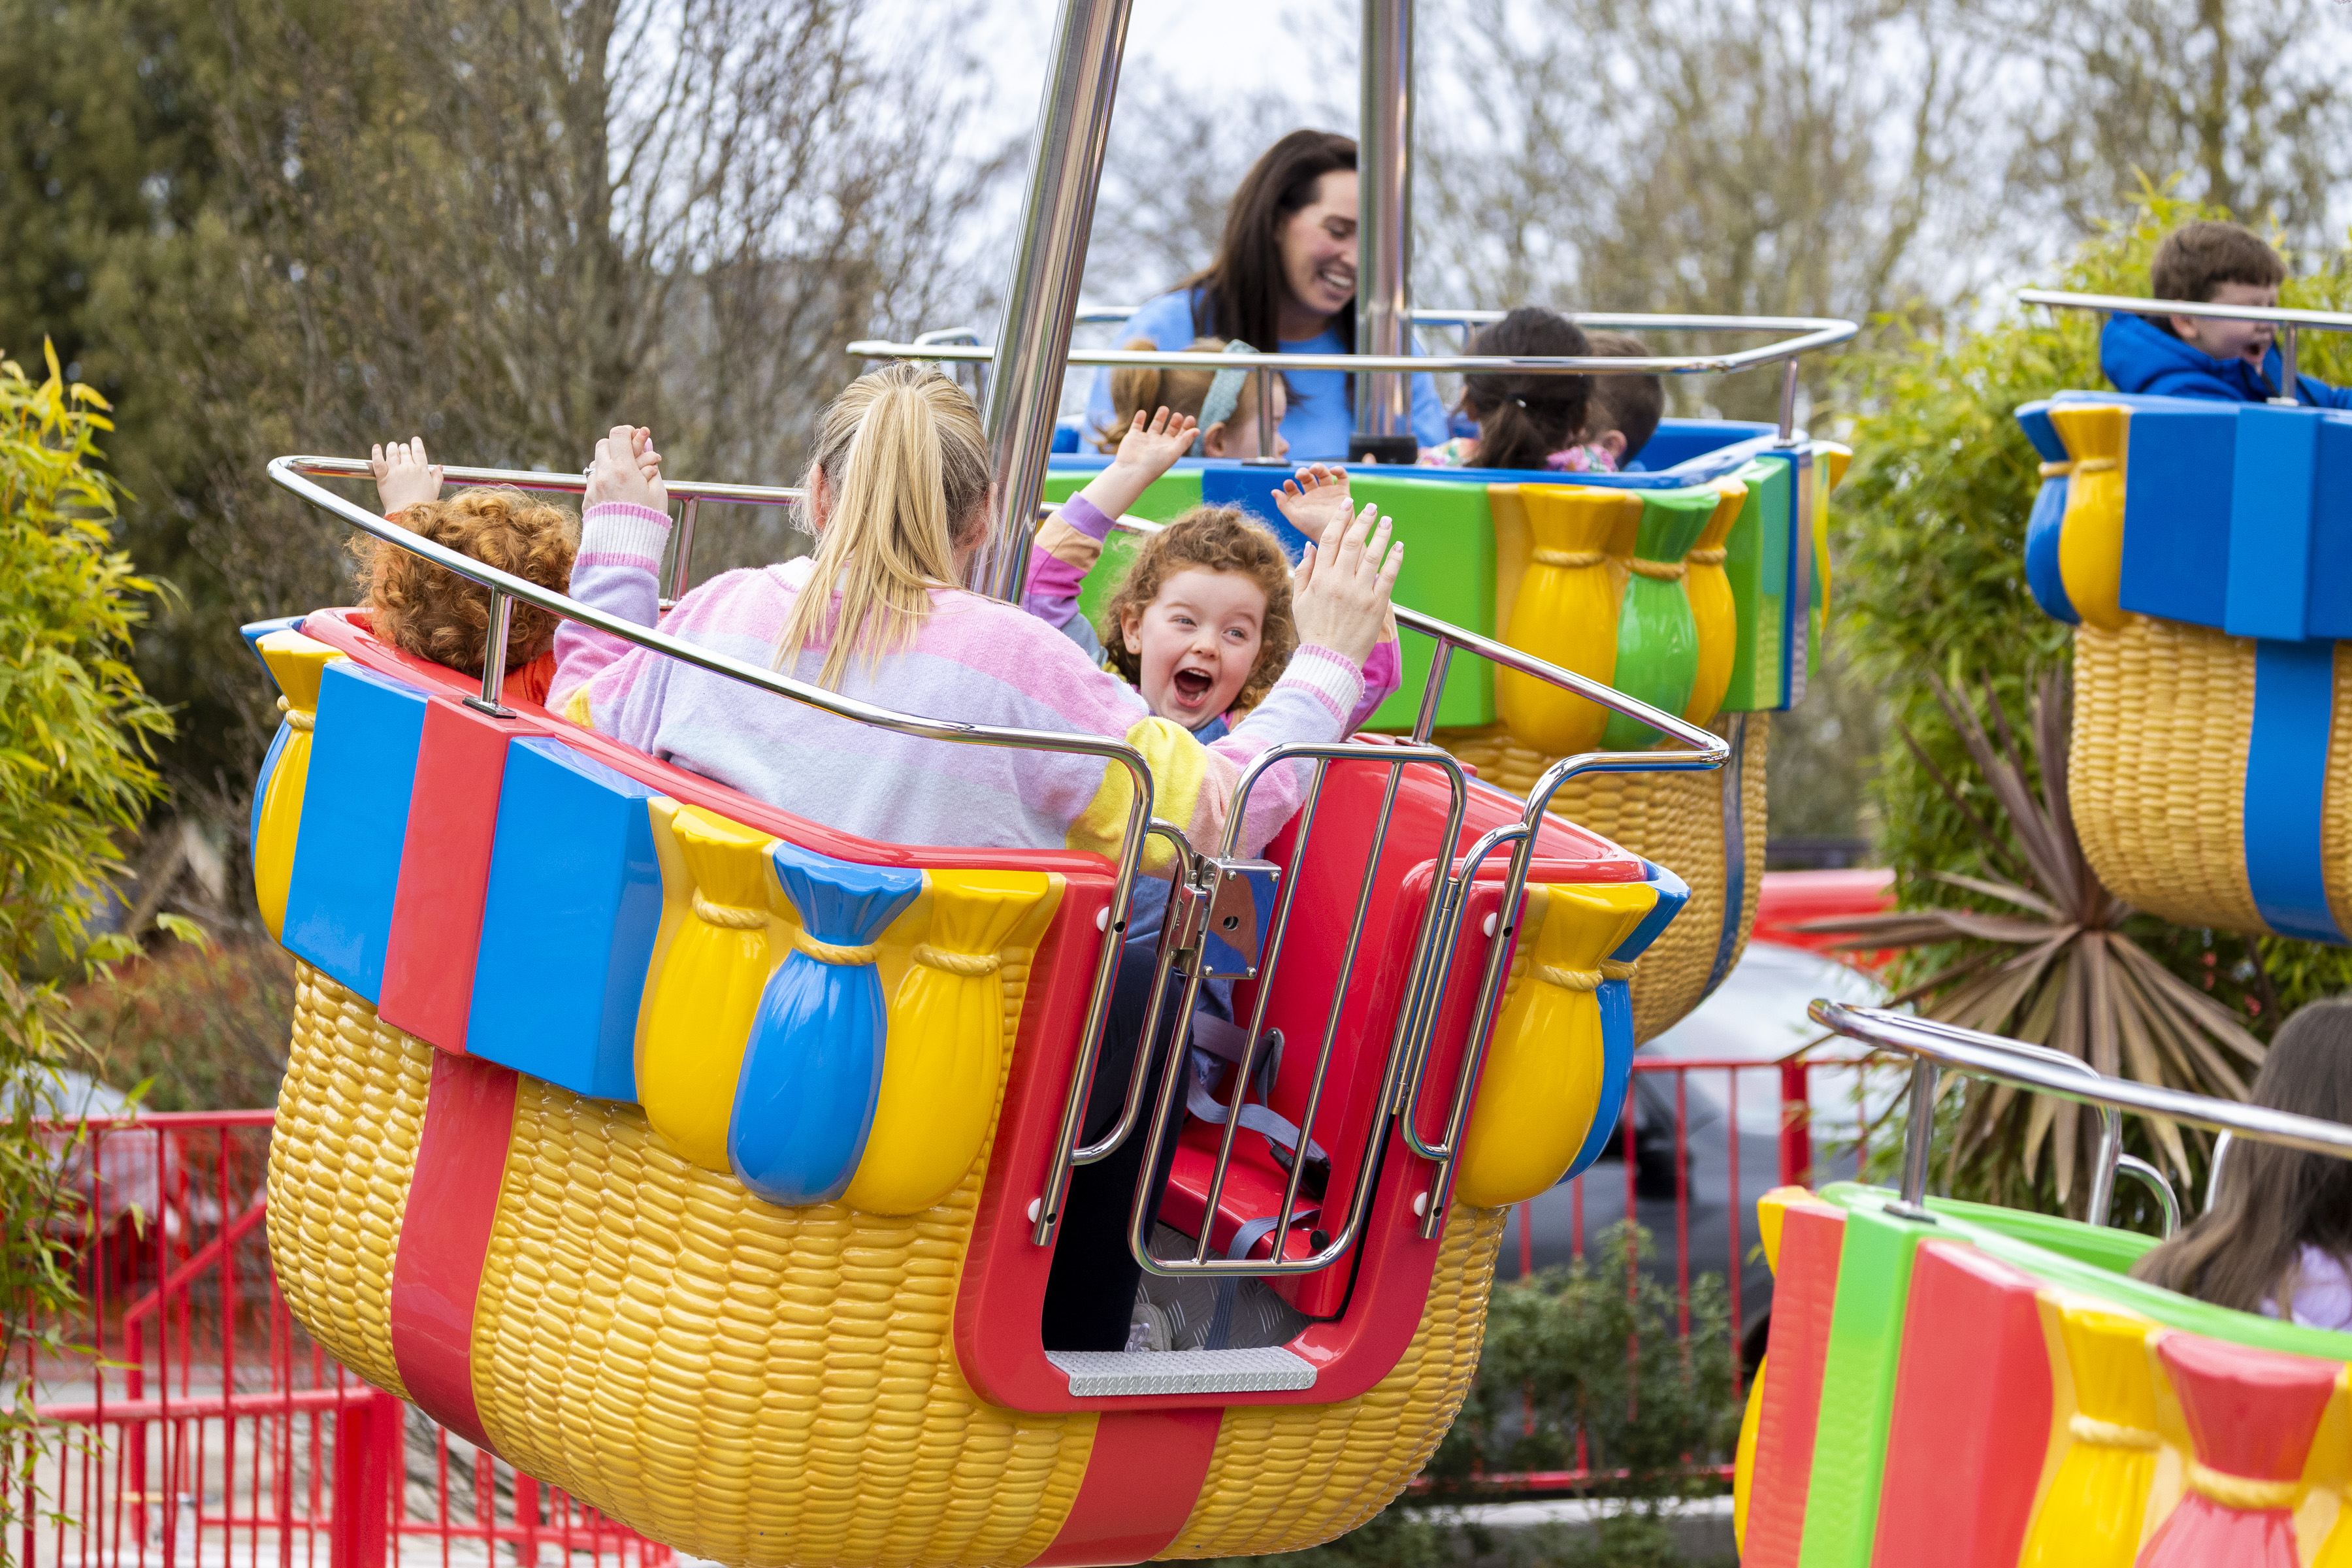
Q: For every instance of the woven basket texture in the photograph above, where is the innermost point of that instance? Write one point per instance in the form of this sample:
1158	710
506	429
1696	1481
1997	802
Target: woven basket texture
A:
767	1387
2156	769
1675	819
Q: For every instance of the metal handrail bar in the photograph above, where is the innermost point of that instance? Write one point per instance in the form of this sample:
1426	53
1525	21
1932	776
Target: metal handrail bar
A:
2111	1120
2325	320
1339	1238
1986	1056
570	484
288	473
2167	1200
1105	315
2291	320
1815	333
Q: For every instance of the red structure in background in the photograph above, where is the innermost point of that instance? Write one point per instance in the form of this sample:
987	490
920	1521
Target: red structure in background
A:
196	1422
1790	899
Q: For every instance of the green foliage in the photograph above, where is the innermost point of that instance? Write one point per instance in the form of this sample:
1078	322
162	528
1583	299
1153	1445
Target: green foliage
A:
74	729
1557	1368
1931	524
202	1028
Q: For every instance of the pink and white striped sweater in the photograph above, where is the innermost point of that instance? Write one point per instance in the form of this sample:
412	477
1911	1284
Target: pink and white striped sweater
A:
976	660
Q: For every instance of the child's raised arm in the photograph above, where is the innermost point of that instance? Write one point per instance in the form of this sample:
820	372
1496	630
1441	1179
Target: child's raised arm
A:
1071	541
621	535
1312	500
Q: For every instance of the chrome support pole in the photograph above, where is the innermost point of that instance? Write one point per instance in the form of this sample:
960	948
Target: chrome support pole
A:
1266	425
1787	436
2167	1202
2213	1171
1025	385
681	565
494	659
1919	1144
1384	173
2290	393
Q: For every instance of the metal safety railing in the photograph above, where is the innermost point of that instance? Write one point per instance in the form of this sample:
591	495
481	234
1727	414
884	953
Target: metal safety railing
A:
1423	991
2290	322
1936	1048
960	346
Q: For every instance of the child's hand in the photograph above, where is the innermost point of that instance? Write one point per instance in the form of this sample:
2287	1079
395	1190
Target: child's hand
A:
1314	499
404	476
1344	587
628	470
1151	448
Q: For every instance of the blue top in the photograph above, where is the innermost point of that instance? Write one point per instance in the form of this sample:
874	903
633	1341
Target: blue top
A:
2137	355
1320	418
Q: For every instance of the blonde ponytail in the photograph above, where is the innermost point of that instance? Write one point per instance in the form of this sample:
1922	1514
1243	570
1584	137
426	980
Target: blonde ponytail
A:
906	464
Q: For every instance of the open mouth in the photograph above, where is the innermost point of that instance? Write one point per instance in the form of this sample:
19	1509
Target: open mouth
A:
1192	686
1339	280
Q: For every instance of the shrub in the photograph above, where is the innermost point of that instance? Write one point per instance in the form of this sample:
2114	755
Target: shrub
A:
1931	583
75	779
201	1029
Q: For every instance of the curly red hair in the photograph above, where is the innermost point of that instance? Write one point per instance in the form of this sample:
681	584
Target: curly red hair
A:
1215	539
434	613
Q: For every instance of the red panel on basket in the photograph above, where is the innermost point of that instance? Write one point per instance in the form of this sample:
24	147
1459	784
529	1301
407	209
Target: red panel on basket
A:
1971	1418
445	1234
1143	1477
445	869
1804	1292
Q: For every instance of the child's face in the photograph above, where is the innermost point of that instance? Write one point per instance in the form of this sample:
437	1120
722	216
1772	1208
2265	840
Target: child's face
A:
1198	640
2231	340
1237	436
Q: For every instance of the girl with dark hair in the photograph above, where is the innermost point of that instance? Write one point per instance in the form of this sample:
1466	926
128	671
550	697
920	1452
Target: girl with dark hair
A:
1527	421
1285	274
2278	1239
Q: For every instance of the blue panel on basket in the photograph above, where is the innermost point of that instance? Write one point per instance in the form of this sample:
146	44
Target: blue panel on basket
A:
567	922
2287	788
2272	515
354	821
1251	489
2331	541
1794	525
2041	529
2177	499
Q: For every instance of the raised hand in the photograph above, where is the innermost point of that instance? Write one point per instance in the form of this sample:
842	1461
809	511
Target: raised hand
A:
403	475
1149	449
1314	498
1152	447
1342	598
628	470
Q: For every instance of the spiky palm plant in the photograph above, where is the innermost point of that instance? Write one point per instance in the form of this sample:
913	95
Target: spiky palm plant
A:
2045	957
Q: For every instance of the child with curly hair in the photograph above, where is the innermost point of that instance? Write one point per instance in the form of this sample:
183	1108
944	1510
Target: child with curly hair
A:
1201	623
430	611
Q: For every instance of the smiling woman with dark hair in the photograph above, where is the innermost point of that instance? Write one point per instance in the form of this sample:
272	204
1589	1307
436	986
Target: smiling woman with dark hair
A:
1285	277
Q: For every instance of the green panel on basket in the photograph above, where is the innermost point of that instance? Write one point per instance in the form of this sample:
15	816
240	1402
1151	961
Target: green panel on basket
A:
1170	495
1756	559
2004	1233
1874	1284
1658	636
1448	533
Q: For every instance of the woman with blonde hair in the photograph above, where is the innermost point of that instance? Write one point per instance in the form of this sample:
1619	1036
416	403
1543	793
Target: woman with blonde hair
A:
898	498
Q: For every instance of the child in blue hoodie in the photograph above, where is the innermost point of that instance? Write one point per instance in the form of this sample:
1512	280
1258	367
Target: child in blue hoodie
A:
2204	356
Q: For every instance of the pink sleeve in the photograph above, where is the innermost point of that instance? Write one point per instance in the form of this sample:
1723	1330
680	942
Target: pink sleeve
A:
1067	547
1383	673
618	571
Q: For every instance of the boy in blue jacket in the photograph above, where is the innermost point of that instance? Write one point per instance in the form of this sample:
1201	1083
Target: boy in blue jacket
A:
2205	356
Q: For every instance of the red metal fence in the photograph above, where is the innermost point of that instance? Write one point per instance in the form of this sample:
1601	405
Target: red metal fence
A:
192	1422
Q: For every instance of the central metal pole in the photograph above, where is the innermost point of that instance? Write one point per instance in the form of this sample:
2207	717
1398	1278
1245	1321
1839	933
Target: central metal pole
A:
1024	386
1384	268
